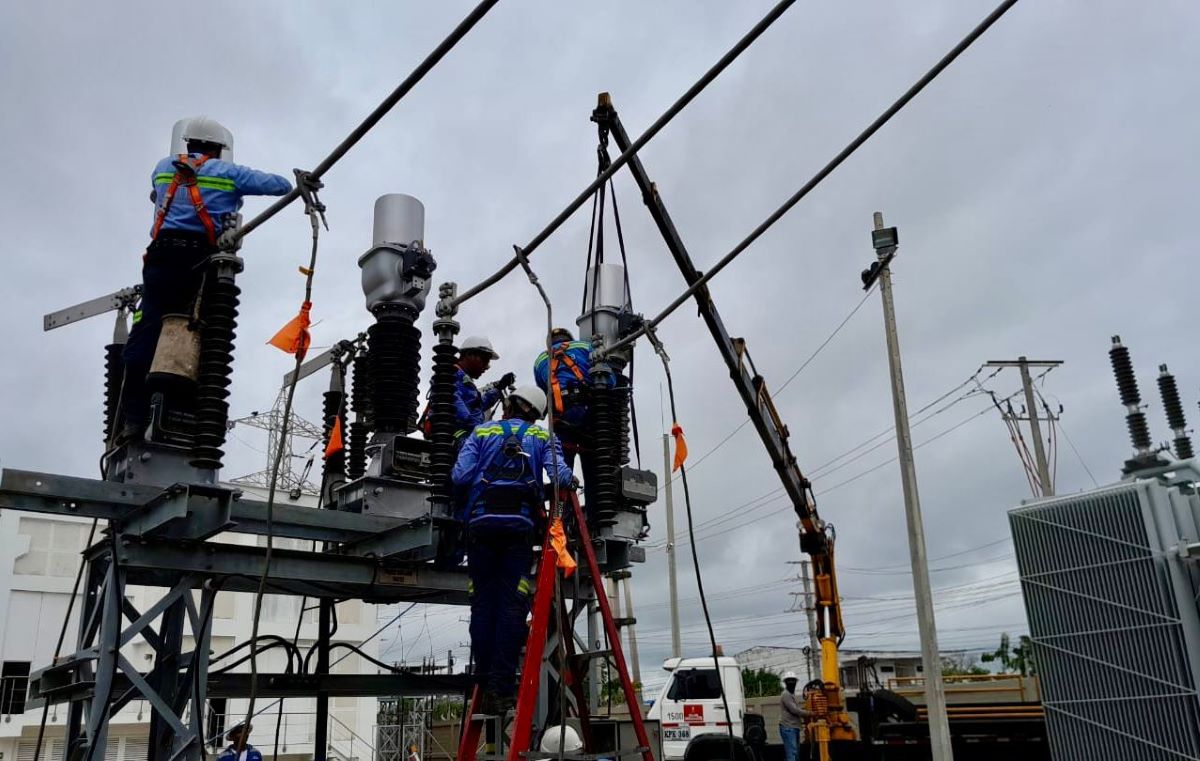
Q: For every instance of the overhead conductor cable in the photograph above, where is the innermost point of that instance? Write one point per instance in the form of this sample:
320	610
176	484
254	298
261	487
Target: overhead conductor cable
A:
824	172
620	161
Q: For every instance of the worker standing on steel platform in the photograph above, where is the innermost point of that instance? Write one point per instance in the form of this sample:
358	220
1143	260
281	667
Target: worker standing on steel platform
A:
239	737
192	191
470	402
500	469
791	718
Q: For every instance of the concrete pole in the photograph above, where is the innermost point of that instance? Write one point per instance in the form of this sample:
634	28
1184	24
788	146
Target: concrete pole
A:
935	697
1035	428
814	644
632	628
672	581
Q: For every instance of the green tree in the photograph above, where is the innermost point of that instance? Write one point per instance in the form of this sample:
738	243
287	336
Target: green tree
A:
962	664
1013	659
762	682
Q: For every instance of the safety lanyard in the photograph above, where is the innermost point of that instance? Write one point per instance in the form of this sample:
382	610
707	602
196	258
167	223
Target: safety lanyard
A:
193	187
556	356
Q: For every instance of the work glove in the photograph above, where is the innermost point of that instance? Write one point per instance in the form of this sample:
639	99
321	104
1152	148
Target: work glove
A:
508	380
573	485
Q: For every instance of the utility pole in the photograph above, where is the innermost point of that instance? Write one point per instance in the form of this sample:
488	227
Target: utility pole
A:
1045	482
814	645
885	241
672	583
624	580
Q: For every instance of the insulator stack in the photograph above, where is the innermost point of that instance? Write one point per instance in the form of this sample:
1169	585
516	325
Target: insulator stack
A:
218	316
442	420
114	376
610	443
334	409
395	365
1135	419
1175	417
360	429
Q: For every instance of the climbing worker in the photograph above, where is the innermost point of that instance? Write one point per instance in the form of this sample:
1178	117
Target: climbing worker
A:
193	191
791	718
562	373
471	403
240	748
500	469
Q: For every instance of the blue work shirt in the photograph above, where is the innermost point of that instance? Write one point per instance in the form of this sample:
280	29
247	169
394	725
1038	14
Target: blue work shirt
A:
580	355
249	754
470	403
485	446
222	186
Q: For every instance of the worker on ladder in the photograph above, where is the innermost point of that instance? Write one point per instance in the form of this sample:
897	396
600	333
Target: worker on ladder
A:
193	190
564	374
500	470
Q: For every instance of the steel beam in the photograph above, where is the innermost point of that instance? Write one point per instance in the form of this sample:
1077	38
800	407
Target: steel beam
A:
315	574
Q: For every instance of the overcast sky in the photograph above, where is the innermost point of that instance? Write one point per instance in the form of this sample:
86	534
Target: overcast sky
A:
1044	188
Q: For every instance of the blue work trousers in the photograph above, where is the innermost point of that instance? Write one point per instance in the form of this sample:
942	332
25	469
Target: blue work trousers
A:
791	743
498	562
172	273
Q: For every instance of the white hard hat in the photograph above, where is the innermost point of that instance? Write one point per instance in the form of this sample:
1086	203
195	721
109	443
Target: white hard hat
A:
531	395
480	344
570	739
204	129
790	675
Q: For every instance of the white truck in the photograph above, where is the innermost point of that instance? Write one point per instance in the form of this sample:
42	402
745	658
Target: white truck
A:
690	702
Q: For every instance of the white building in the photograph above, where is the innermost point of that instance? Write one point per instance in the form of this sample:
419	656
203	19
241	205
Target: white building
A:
39	557
886	665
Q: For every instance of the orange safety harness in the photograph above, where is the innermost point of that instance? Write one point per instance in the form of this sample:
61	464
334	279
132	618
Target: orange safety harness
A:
556	356
185	175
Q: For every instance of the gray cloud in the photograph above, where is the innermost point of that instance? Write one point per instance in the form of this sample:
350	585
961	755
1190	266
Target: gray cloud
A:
1043	187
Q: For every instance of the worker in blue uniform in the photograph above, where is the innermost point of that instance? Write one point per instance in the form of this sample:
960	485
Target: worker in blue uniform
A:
239	748
192	192
471	402
564	373
500	470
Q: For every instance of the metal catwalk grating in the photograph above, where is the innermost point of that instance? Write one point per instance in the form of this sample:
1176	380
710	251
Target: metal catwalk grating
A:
1113	617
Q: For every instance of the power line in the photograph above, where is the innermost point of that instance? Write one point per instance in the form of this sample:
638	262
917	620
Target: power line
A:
785	384
375	116
824	172
620	161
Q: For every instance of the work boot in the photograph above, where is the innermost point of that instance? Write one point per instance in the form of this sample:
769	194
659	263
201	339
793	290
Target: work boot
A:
488	705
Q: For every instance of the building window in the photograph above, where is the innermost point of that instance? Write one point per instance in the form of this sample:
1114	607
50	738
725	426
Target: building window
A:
14	684
54	547
888	669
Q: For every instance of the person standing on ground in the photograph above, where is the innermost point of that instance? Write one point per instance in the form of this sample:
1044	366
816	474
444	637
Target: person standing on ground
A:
792	718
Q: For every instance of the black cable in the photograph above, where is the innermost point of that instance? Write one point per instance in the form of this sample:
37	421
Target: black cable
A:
671	112
687	501
375	116
825	171
313	213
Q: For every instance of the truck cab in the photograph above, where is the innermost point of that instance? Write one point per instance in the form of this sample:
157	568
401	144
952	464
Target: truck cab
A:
690	702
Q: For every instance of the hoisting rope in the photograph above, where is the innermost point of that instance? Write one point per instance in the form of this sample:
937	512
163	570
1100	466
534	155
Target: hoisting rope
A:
824	172
558	538
730	56
297	331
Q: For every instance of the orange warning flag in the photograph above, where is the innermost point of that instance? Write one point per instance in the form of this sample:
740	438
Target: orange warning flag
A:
680	446
335	439
558	540
293	337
